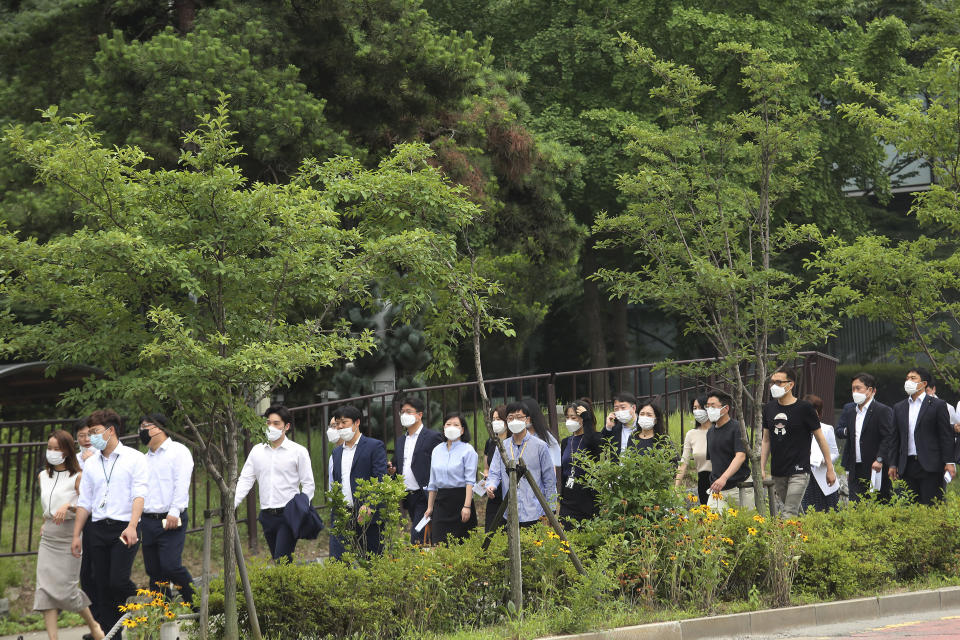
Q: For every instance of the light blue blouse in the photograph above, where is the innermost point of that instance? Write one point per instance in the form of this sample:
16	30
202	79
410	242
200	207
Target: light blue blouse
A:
454	468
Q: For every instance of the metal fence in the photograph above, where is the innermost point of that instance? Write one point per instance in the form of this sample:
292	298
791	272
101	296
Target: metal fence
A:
22	443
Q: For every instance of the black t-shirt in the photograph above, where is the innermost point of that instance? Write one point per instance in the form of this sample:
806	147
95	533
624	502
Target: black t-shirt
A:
790	428
723	444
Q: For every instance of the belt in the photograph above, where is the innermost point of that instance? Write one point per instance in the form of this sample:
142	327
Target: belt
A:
110	522
414	490
278	511
155	516
911	457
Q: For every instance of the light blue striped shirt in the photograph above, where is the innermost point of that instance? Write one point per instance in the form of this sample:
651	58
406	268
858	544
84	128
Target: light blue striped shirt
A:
536	456
452	468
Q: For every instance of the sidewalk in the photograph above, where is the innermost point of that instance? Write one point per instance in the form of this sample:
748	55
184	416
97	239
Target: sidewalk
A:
72	633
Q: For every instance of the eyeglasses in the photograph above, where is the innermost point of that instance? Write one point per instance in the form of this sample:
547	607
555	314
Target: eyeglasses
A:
783	381
516	416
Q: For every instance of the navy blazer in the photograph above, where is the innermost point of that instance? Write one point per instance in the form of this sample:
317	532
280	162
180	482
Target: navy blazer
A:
875	437
302	518
369	461
427	441
933	435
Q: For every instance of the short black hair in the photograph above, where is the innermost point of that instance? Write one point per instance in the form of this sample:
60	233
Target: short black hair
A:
513	407
156	419
788	371
724	398
923	373
660	426
415	402
868	380
463	423
280	410
624	396
349	412
106	418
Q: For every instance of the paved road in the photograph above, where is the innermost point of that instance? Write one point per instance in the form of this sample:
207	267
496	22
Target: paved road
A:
940	625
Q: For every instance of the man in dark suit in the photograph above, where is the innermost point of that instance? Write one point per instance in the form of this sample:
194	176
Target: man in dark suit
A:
621	423
867	426
358	457
922	449
412	458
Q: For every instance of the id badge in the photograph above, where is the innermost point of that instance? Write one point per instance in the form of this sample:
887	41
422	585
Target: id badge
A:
569	484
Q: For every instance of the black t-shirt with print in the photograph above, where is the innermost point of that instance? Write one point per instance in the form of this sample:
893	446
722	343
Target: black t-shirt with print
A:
723	443
790	428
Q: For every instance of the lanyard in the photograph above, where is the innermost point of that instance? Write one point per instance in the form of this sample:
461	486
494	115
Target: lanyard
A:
106	489
56	479
512	445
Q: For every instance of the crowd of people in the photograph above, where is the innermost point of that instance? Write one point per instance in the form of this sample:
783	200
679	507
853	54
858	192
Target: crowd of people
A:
102	504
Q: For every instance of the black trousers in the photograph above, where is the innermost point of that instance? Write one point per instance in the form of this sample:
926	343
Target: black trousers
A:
162	556
928	485
366	540
703	486
112	561
416	505
279	535
87	582
859	483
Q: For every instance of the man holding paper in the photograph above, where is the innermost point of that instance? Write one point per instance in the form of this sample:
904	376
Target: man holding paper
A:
867	426
170	465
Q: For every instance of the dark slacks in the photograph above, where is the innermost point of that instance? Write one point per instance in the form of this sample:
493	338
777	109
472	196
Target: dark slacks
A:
366	540
163	553
416	505
87	581
859	483
927	485
279	535
112	561
490	522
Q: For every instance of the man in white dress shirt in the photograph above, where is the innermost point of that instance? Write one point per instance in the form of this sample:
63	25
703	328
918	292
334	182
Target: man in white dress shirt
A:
112	492
282	468
414	452
164	523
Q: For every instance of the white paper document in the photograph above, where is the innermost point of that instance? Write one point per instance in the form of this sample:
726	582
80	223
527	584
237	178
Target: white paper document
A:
876	478
480	486
954	413
422	524
947	477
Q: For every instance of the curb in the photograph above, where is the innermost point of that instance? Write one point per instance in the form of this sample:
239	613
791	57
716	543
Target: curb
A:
773	621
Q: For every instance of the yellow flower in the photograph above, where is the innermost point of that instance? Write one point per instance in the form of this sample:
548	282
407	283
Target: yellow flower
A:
805	538
752	531
728	540
707	551
759	518
725	563
732	513
129	623
537	543
142	619
170	614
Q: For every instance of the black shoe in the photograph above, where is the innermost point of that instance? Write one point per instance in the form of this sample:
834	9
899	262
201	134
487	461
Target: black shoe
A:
88	636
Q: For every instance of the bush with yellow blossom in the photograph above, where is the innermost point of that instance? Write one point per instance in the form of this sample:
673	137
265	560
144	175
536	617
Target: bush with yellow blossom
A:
153	609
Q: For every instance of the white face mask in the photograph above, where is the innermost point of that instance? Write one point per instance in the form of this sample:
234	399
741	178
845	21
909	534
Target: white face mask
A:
499	426
452	432
333	434
910	387
776	391
859	398
274	434
624	415
700	416
346	434
714	413
408	419
517	426
646	422
572	426
54	457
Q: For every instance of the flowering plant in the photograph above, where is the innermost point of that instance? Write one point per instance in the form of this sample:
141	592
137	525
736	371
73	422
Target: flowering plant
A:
153	610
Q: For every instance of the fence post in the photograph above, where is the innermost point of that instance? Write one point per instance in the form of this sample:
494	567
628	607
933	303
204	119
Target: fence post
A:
552	406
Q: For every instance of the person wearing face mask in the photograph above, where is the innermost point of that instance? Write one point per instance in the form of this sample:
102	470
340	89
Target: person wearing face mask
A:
357	458
538	427
921	446
727	452
651	427
282	469
788	424
58	571
624	428
83	439
499	425
695	446
164	521
453	472
412	458
577	501
533	453
113	488
819	496
866	424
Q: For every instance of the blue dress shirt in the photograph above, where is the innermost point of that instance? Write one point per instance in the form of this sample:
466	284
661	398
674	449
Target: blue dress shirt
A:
452	468
536	456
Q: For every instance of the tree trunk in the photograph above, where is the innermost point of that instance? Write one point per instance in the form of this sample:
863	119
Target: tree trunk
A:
513	540
186	13
231	629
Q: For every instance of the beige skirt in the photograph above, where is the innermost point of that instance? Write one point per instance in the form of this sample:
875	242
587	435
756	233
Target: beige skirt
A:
58	572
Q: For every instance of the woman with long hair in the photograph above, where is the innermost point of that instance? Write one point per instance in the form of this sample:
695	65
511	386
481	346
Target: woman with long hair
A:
58	572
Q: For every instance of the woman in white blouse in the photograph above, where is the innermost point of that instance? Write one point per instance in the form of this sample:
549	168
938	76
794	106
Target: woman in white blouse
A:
58	572
695	446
